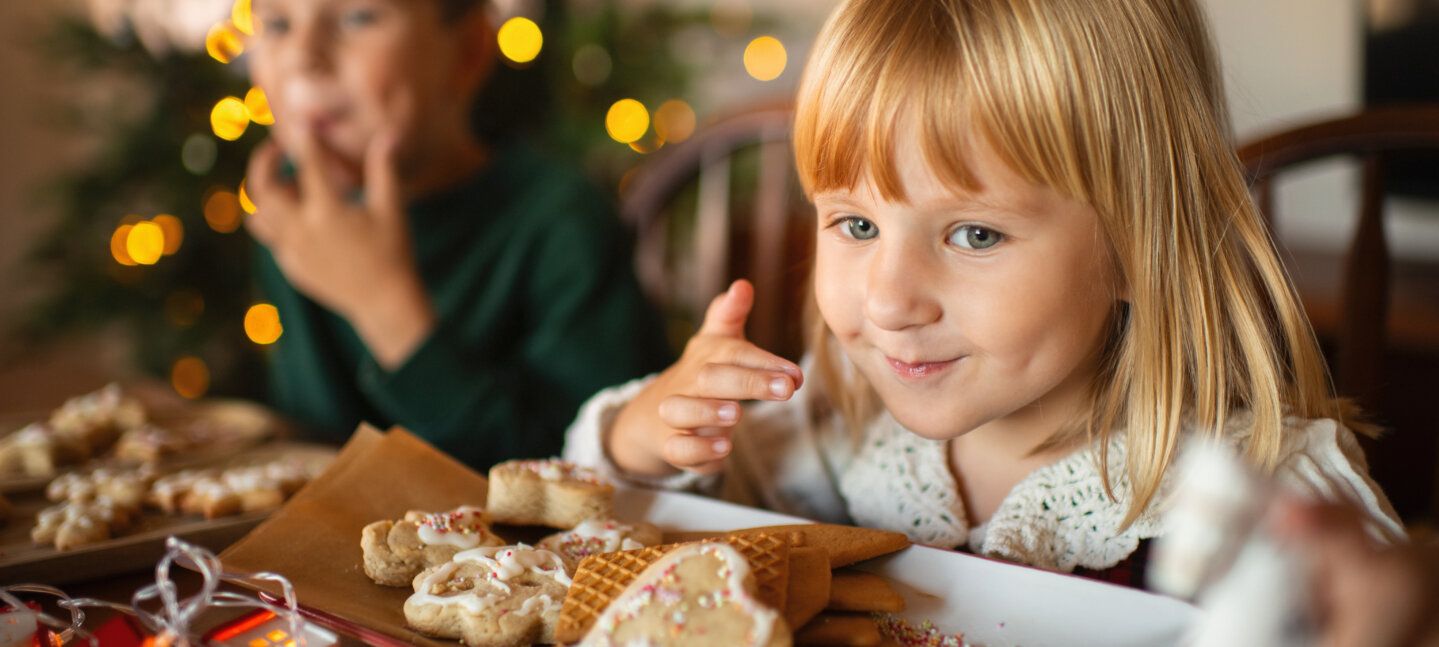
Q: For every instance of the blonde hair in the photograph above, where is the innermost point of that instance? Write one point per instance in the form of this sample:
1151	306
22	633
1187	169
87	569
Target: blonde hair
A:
1116	103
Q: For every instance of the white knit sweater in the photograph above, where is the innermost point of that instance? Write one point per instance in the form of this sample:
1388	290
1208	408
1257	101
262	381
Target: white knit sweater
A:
1057	518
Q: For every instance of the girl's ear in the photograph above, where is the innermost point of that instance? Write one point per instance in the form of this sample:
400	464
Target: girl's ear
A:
476	50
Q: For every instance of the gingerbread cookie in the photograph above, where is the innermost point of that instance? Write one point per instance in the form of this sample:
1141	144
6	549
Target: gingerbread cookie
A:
396	551
73	524
697	594
490	596
553	492
149	443
99	417
38	450
596	537
127	488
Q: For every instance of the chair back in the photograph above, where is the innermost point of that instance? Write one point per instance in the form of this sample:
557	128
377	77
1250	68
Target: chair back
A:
1384	351
721	205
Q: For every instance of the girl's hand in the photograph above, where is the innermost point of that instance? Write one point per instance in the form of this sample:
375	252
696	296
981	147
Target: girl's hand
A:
684	418
1364	594
354	259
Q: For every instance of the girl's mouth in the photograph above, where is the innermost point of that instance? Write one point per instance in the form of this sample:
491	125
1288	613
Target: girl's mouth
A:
908	371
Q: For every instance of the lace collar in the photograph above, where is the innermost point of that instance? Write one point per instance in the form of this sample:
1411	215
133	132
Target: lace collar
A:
1057	518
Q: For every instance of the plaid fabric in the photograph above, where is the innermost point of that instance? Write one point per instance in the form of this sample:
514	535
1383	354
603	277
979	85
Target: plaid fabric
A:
1128	572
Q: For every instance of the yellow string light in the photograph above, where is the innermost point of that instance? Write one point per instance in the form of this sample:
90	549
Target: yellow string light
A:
223	42
245	202
765	58
262	324
520	39
627	121
117	245
190	377
222	211
259	107
243	19
229	118
145	243
674	121
174	232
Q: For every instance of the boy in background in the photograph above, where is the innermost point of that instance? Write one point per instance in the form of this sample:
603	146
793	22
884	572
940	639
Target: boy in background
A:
470	291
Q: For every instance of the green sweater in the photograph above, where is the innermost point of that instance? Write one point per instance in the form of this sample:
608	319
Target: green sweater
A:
538	308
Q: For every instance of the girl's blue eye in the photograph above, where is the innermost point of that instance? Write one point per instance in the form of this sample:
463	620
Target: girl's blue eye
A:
860	229
358	18
274	26
975	237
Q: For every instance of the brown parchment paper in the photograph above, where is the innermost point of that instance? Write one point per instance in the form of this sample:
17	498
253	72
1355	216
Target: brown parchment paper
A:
314	540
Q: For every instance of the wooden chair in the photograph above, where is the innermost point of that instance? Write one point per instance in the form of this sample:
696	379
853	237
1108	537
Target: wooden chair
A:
1361	317
721	205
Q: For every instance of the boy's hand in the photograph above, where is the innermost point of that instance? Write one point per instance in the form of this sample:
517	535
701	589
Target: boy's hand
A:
684	418
354	259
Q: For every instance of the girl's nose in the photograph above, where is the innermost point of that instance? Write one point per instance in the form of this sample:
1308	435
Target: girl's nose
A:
311	48
899	290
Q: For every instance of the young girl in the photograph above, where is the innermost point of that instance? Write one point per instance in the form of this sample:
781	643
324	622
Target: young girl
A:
1038	270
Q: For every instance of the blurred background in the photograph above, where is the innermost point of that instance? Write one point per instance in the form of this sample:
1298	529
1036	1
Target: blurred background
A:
126	124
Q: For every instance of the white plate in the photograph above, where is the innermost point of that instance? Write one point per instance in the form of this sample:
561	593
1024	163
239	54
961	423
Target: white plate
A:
994	604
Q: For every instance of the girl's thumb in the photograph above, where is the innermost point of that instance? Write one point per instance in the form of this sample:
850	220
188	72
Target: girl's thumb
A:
727	313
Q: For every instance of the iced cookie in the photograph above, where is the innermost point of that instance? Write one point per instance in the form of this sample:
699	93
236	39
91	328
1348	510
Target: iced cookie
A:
553	492
600	579
99	417
396	551
491	596
597	537
148	443
128	488
38	450
73	524
697	594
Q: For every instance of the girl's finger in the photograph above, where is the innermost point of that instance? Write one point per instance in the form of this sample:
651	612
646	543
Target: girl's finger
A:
312	160
683	412
703	454
730	382
382	177
742	353
727	312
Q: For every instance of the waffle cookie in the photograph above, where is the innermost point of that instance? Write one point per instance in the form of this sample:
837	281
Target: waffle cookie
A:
695	594
552	492
396	551
600	579
490	596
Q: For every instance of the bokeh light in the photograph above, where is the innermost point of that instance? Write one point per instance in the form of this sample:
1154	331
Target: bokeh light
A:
674	121
259	107
627	121
183	307
224	42
199	153
765	58
245	202
230	118
242	17
174	232
145	243
222	211
648	144
117	245
592	65
190	377
520	39
262	324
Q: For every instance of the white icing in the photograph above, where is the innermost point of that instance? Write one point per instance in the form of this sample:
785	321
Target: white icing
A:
509	561
462	528
667	590
501	563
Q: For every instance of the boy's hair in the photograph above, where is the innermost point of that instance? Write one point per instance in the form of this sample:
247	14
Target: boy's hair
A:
1116	103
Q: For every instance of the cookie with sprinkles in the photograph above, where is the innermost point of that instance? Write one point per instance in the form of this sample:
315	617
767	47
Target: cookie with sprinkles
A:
697	594
396	551
551	492
490	596
597	537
